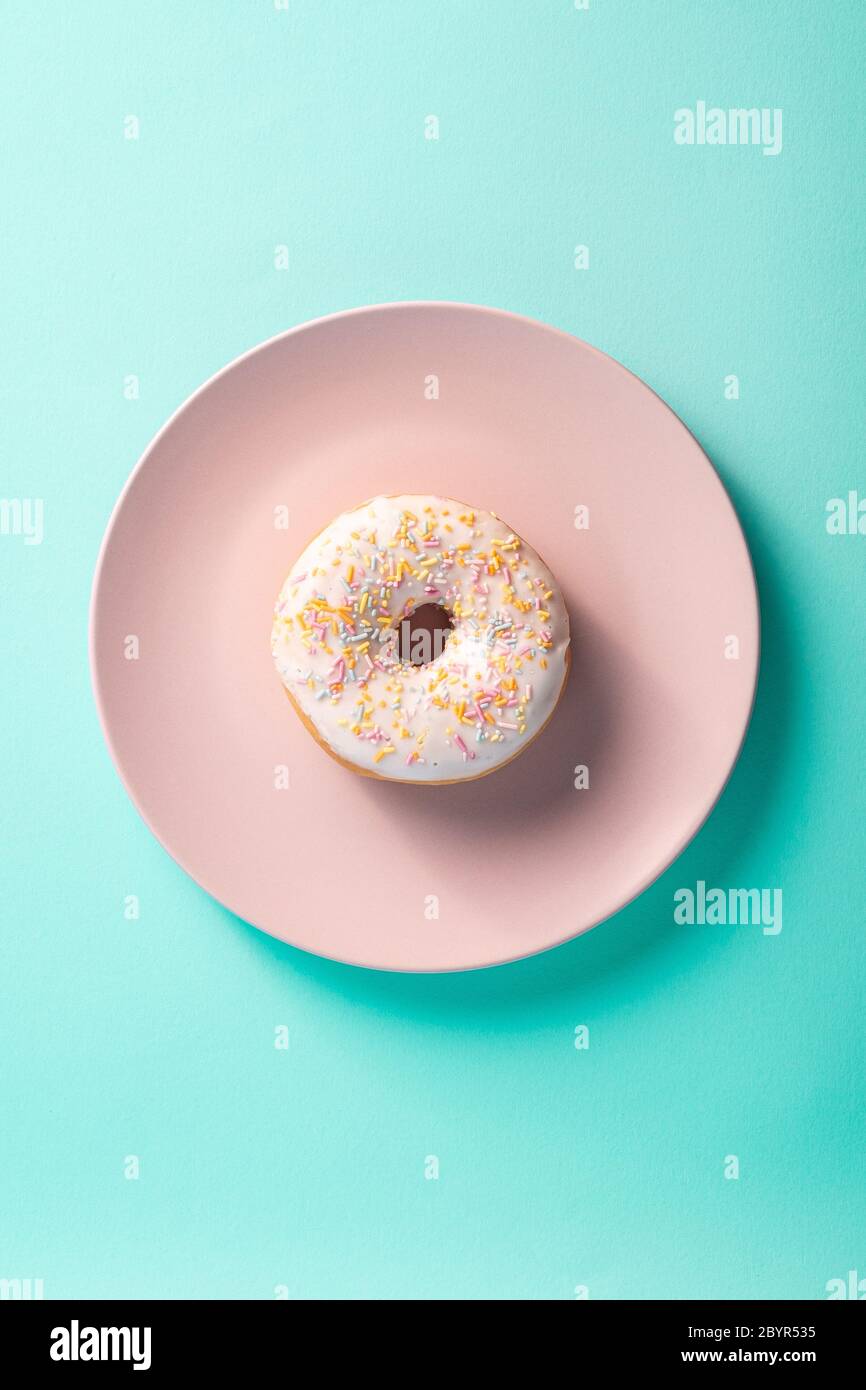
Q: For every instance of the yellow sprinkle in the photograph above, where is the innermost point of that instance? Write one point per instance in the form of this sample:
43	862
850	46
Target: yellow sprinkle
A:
389	748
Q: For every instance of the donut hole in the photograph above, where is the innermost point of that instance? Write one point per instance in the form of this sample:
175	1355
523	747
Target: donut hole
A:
422	634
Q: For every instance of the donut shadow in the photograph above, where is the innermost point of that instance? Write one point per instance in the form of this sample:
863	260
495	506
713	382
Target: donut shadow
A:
539	779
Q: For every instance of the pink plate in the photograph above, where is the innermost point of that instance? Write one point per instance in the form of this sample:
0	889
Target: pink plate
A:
530	423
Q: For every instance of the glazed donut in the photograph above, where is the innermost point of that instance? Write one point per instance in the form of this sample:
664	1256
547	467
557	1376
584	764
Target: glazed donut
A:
421	640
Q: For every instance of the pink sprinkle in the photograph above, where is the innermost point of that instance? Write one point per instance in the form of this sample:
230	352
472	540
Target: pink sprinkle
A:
434	541
298	579
529	692
463	749
502	725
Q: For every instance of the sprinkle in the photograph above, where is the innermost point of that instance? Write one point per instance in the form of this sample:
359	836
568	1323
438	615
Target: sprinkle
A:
463	749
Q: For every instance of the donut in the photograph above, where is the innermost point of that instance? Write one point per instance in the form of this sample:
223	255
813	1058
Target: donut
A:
421	640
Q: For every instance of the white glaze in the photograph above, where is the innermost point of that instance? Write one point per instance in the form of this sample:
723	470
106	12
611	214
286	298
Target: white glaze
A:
359	577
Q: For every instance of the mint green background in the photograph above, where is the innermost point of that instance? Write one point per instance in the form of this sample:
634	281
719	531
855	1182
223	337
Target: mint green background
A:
155	1037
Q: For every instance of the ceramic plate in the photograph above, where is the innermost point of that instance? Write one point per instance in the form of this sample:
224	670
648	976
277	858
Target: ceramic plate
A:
584	462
